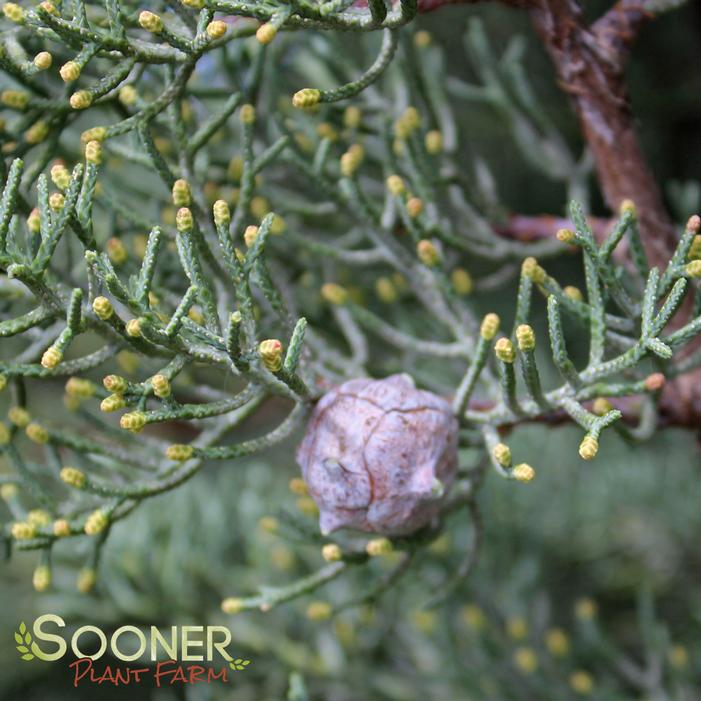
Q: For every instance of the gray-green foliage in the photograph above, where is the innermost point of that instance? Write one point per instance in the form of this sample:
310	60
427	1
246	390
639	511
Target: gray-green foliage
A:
211	319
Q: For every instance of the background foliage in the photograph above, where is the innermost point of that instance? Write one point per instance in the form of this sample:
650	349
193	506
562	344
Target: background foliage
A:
619	531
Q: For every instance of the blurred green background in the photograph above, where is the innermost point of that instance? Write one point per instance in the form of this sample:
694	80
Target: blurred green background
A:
621	532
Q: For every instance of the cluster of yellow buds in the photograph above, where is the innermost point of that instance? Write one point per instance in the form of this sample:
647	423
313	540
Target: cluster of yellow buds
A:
525	337
161	386
37	433
523	472
134	421
102	308
151	22
217	29
266	33
378	547
504	350
428	253
502	454
331	552
181	193
73	477
52	357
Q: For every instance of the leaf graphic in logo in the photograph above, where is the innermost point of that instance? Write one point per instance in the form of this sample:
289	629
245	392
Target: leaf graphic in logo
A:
23	638
239	664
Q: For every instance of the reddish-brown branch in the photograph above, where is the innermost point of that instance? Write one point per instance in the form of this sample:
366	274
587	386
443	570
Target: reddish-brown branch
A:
544	226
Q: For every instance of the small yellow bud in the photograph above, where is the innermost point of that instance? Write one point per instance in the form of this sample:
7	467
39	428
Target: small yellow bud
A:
128	95
117	251
134	421
581	682
502	454
8	491
16	99
102	308
627	206
414	207
57	201
386	290
23	530
655	382
307	506
523	472
194	4
115	384
504	350
51	358
473	616
395	185
70	71
49	7
78	387
574	293
461	281
222	215
114	402
423	620
39	518
81	100
61	528
531	269
247	115
235	169
422	39
693	269
308	97
319	611
270	352
94	134
489	327
434	142
13	12
19	416
250	235
85	582
378	547
298	486
37	433
333	293
557	642
34	221
179	452
678	656
588	448
352	117
694	224
427	253
232	605
151	22
268	524
96	522
331	552
259	207
526	660
73	477
601	406
217	29
525	337
133	328
184	220
565	235
161	386
41	579
585	609
36	133
181	193
266	33
351	160
60	176
278	225
93	152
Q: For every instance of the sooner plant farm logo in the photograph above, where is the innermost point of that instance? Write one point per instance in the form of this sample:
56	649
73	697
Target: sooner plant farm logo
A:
183	646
